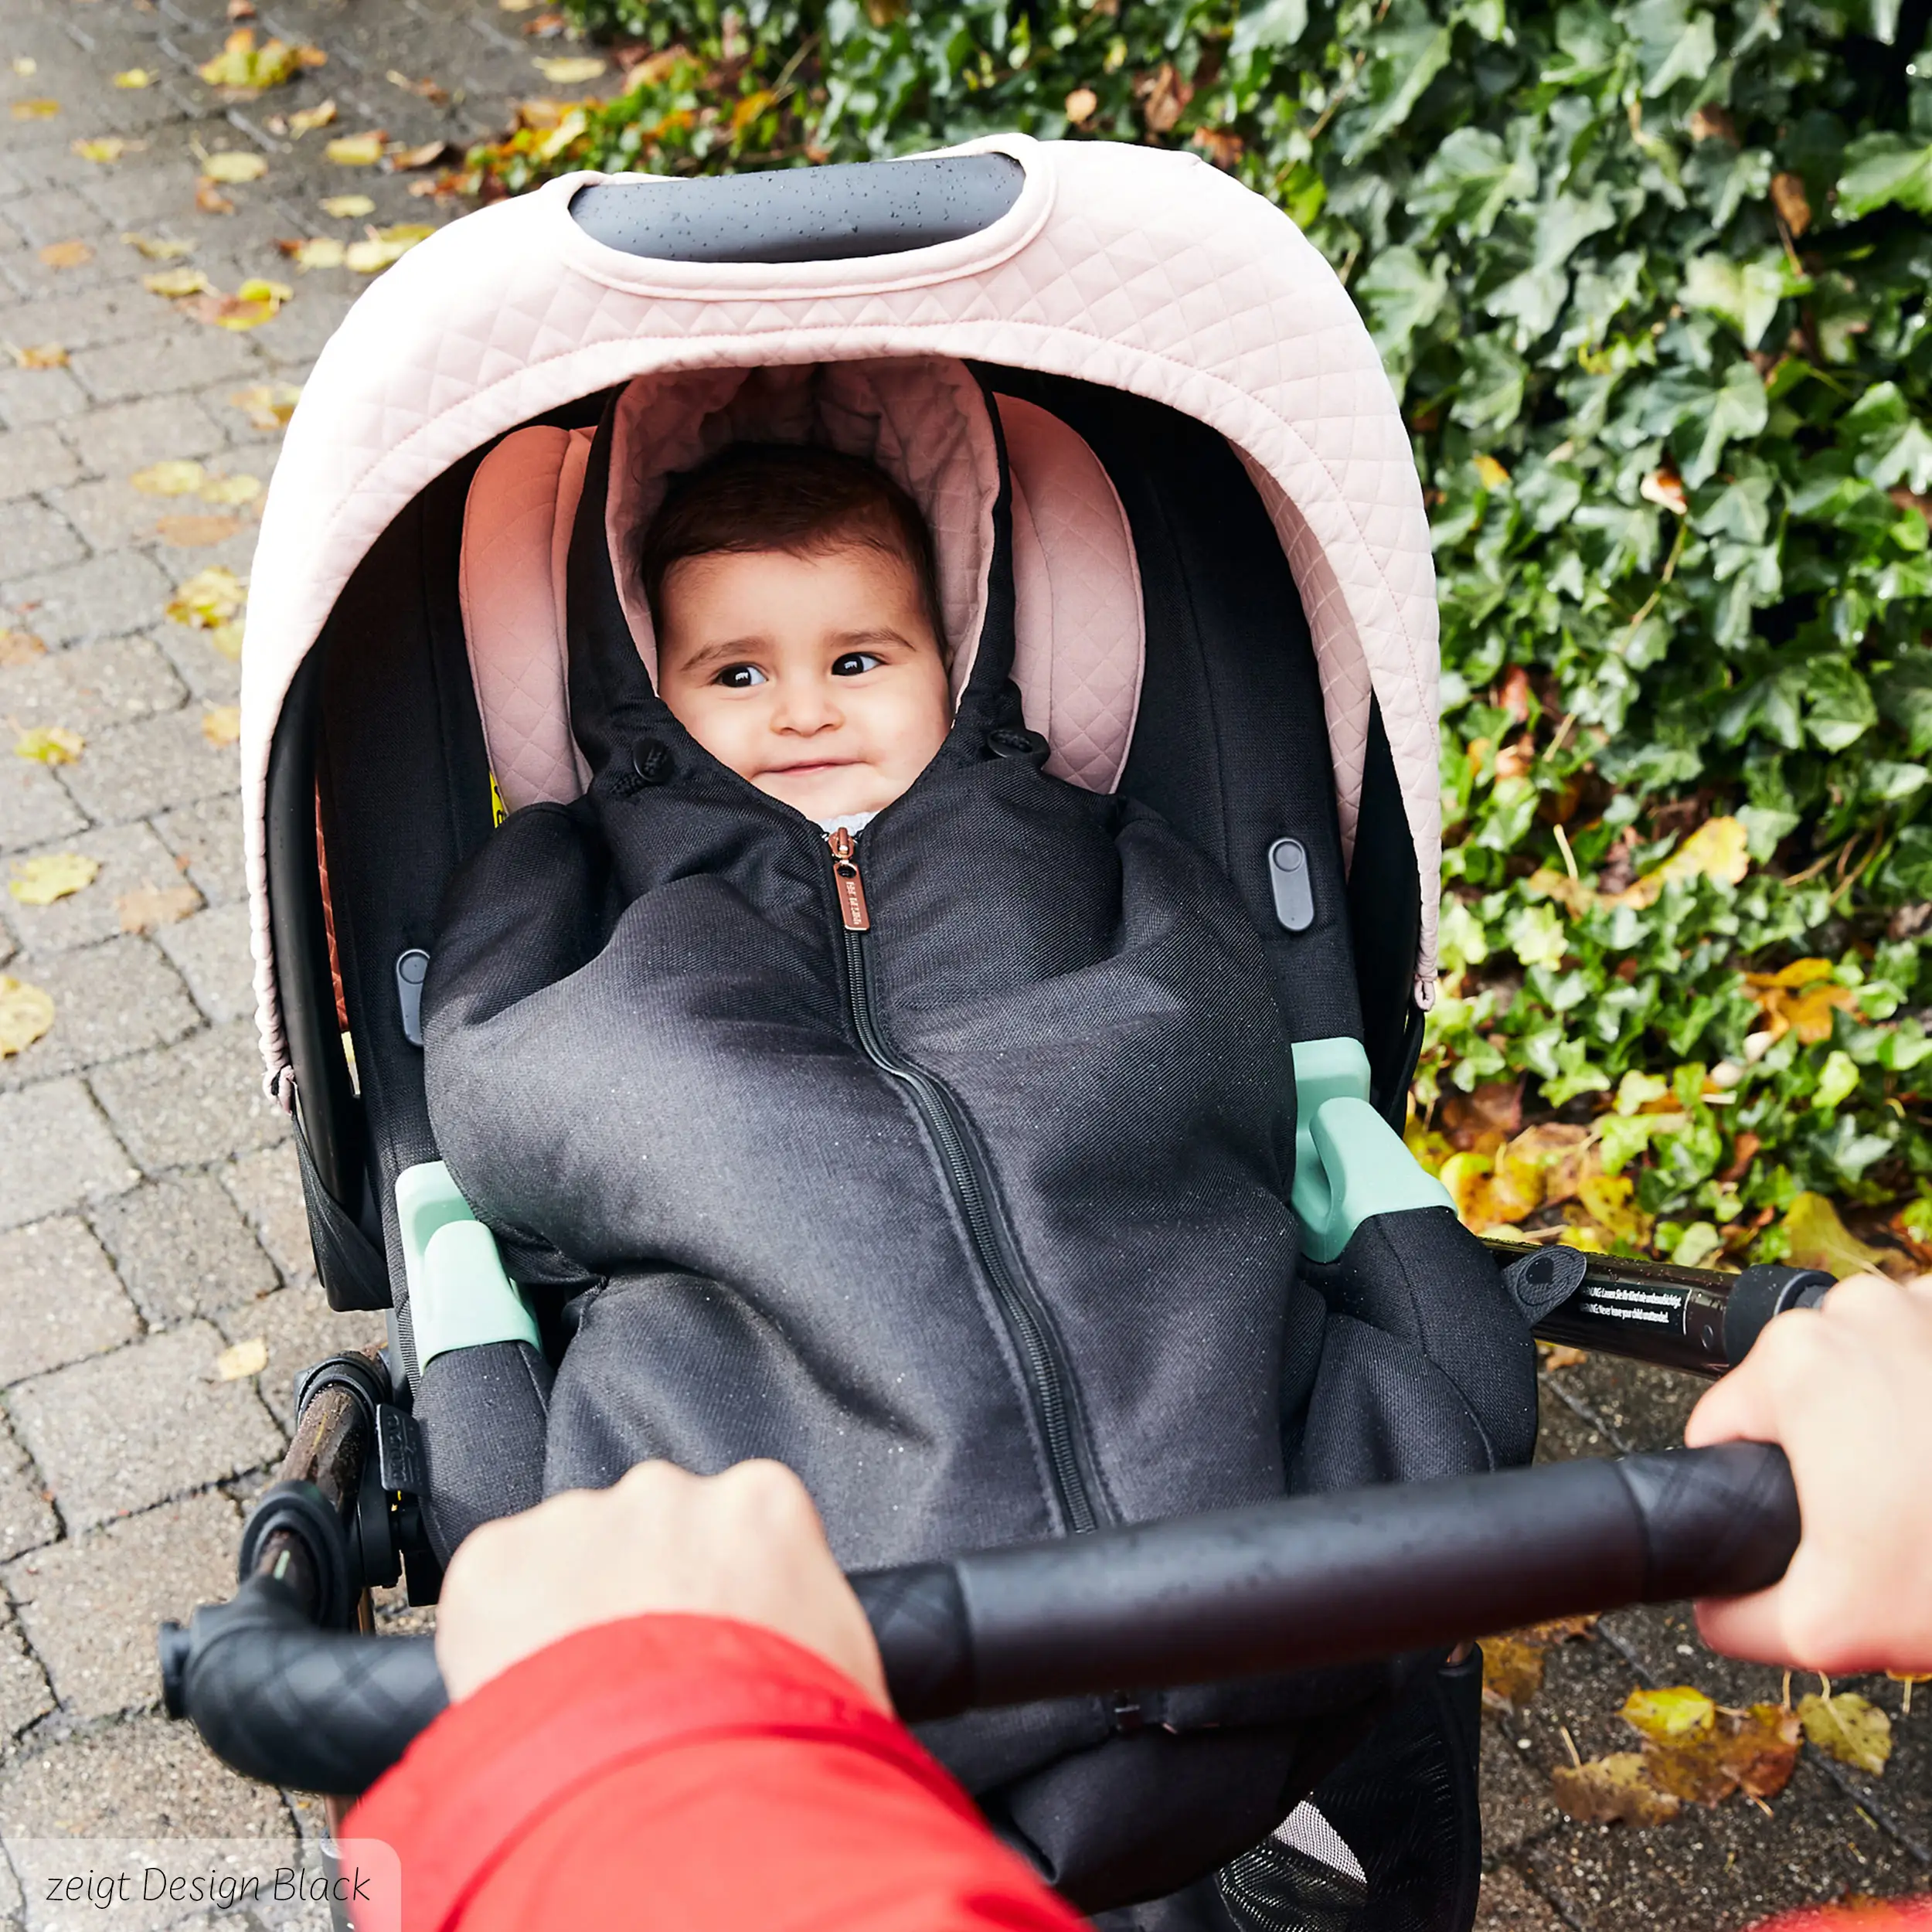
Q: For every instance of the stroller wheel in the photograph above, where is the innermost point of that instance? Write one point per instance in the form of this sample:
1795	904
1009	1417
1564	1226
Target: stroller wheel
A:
1280	1886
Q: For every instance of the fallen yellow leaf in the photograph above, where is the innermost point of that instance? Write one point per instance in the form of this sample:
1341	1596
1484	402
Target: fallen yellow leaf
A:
39	882
1512	1663
1800	998
159	248
41	355
1816	1238
1718	848
175	282
36	110
227	639
134	78
356	151
147	906
571	69
1492	473
25	66
242	66
560	136
196	531
1612	1790
20	647
385	246
209	199
231	489
1670	1714
247	1358
307	120
324	251
427	156
424	89
268	406
1848	1728
1754	1751
347	207
66	254
174	478
231	167
50	744
107	149
207	598
25	1013
222	725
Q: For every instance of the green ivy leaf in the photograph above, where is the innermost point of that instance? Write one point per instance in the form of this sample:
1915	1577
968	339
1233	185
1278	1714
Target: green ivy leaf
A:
1489	396
1883	169
1678	44
1744	294
1470	180
1904	694
1402	294
1275	23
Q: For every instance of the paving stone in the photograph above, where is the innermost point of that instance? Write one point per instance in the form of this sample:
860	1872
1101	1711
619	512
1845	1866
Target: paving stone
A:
182	1249
149	1778
59	1299
300	1329
40	396
196	1102
33	537
34	807
130	436
26	1516
184	357
210	951
24	1693
1508	1905
208	676
52	216
1517	1806
122	1432
267	1187
137	770
33	460
130	857
209	837
93	686
59	1152
89	1606
115	312
105	596
108	1001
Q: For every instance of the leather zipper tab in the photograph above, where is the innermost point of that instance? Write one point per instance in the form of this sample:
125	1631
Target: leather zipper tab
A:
852	888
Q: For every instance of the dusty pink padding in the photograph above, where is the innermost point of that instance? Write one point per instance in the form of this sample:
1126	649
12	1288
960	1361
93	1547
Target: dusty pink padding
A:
1079	638
1121	265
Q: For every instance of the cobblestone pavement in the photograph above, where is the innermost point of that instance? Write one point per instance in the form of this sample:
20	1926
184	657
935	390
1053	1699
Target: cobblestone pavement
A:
150	1215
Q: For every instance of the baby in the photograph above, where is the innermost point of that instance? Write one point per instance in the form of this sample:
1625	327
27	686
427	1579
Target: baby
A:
799	636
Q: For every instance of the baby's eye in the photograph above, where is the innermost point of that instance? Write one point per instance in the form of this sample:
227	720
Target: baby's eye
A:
740	677
855	664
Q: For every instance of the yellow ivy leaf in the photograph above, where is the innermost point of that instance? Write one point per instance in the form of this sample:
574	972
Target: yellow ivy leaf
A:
1613	1789
66	254
1816	1238
1718	848
247	1358
356	151
268	406
347	207
25	1013
159	248
1676	1712
50	744
174	283
231	167
147	906
209	598
571	69
134	78
308	119
1848	1728
41	355
107	149
231	489
222	725
176	477
36	110
39	882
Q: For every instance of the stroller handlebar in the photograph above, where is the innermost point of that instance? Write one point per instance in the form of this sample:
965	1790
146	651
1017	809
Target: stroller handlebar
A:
1280	1587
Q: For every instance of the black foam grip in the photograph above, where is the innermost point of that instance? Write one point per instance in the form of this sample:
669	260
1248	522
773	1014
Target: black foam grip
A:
919	1620
314	1710
1717	1523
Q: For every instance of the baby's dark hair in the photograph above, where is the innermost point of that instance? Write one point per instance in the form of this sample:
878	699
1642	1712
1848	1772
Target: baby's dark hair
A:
787	496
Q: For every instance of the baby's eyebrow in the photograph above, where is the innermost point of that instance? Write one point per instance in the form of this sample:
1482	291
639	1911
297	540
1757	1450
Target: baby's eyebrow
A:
730	651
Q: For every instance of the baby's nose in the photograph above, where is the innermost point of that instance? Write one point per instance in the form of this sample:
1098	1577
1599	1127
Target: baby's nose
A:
807	706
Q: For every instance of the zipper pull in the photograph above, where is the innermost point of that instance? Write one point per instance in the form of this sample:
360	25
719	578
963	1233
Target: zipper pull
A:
852	888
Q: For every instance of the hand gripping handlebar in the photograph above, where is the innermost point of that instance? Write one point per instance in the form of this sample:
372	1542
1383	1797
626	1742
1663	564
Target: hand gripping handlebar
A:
1285	1586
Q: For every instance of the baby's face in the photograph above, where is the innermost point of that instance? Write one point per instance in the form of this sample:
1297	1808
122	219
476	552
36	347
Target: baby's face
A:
818	678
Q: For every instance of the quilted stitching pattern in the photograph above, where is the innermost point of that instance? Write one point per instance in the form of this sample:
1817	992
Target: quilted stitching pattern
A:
1123	266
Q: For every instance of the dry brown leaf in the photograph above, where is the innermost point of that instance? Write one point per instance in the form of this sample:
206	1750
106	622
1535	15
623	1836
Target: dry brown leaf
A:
1163	95
1752	1751
210	200
231	167
1613	1789
1552	1355
66	254
1788	198
405	159
222	725
50	745
197	531
433	91
1081	106
42	110
147	906
357	151
268	406
1512	1662
20	647
1496	1111
159	248
1712	124
25	1014
54	875
1665	487
1848	1728
41	355
247	1358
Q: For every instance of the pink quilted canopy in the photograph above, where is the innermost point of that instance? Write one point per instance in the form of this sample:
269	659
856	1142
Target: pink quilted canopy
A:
1141	269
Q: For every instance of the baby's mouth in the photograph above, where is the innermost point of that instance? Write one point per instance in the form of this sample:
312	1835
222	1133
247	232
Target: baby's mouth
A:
805	767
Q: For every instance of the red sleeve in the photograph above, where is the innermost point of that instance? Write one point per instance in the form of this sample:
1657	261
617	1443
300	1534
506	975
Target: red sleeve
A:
1861	1915
694	1772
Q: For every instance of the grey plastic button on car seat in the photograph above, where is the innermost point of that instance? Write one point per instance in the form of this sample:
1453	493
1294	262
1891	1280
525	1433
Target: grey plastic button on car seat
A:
412	968
1289	875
